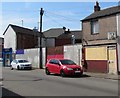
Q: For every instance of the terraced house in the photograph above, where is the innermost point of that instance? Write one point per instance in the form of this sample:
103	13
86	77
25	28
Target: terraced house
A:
101	40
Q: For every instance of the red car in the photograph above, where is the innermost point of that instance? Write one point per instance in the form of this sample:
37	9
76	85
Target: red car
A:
64	67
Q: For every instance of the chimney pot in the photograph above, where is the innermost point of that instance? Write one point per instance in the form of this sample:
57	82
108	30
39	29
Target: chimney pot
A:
96	7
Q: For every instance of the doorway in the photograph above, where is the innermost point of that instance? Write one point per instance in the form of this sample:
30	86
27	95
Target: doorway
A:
112	60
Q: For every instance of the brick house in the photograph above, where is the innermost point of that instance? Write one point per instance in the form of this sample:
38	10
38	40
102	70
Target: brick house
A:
51	35
20	38
69	37
101	46
59	37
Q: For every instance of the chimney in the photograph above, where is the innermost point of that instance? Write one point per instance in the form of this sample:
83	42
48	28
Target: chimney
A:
68	32
96	7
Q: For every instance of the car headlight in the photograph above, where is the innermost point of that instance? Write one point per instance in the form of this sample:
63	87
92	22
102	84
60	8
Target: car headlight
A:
69	69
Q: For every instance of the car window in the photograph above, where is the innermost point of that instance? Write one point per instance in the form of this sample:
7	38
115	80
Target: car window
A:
54	62
67	62
51	61
22	61
14	61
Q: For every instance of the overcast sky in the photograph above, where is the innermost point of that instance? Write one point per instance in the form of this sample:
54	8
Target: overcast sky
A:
56	14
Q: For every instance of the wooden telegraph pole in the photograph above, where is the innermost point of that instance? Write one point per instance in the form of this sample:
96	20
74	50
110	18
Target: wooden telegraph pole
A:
40	40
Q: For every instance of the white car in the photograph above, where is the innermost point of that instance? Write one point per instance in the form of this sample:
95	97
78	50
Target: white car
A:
20	64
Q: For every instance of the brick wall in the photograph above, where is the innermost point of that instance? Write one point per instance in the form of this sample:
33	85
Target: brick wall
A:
25	41
61	42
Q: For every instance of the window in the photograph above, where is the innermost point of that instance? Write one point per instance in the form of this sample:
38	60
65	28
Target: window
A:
94	27
54	62
22	61
15	61
51	61
67	62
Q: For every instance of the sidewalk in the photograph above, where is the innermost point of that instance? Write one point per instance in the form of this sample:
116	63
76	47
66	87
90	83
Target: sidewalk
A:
103	75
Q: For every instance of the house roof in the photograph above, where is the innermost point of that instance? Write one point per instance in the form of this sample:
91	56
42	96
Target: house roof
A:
22	30
102	13
77	34
53	33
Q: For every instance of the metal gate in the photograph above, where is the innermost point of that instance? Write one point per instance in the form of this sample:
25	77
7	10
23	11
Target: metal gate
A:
55	52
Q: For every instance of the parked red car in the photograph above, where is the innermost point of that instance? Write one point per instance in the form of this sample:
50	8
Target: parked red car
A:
64	67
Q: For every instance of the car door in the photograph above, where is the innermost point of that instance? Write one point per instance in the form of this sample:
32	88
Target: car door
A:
50	66
14	64
56	66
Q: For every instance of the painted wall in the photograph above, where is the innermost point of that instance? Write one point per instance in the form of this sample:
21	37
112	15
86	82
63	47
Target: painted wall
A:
73	52
32	55
10	39
55	52
96	59
118	44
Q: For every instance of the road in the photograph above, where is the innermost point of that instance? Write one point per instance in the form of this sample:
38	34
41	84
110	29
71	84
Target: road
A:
36	83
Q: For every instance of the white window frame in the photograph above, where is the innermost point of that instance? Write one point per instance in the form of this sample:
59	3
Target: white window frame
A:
94	27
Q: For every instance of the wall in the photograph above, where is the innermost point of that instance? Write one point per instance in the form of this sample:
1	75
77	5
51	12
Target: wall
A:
73	52
50	42
106	24
1	46
25	41
96	59
11	35
61	42
55	52
44	56
32	55
118	44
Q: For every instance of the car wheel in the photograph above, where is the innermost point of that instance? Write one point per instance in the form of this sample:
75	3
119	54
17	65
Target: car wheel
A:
11	67
47	71
62	73
18	68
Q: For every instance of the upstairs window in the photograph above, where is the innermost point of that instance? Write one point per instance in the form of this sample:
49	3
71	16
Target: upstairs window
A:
94	27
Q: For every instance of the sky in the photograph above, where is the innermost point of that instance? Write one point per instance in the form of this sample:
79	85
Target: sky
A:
56	14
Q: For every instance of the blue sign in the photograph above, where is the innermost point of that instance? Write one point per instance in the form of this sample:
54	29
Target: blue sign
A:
20	51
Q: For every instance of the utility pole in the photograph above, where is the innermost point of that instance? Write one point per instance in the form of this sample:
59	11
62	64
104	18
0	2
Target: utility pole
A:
40	40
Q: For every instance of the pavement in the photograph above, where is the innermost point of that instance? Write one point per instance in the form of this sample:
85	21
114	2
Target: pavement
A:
103	75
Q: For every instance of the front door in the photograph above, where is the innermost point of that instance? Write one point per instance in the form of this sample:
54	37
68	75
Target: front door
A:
112	60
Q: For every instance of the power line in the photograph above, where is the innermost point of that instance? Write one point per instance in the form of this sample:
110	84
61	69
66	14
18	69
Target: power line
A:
8	10
54	20
64	17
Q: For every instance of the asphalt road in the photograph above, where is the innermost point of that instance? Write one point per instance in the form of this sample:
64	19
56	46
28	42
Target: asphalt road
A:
37	83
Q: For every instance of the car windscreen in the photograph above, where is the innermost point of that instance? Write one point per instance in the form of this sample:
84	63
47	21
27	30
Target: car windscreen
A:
22	61
67	62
